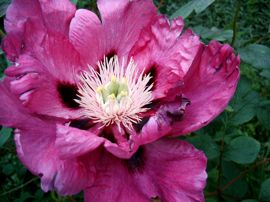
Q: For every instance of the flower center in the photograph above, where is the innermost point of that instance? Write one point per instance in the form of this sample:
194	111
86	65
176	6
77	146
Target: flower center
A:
114	94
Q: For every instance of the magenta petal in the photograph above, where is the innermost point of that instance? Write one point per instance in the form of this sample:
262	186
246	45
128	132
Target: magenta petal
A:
216	71
122	23
12	114
181	172
40	78
165	53
85	30
63	67
11	45
156	127
36	149
28	22
124	151
72	142
72	177
19	11
171	170
55	14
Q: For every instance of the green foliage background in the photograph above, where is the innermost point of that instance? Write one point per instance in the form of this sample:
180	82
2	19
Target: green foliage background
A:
237	143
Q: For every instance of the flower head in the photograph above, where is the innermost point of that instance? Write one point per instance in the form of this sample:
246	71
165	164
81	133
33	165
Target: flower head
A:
114	94
91	98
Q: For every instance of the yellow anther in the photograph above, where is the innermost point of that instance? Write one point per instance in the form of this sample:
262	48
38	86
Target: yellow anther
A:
99	89
113	79
123	93
111	96
124	80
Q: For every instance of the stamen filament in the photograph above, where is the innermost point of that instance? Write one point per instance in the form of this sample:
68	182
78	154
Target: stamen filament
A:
115	95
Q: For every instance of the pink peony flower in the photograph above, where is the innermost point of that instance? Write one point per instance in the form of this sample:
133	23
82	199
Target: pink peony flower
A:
95	102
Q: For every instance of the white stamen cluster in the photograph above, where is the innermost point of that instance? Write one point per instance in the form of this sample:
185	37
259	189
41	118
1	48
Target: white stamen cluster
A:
115	94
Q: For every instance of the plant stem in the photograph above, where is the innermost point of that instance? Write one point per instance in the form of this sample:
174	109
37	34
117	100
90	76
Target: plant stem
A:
235	22
19	187
232	181
242	174
219	193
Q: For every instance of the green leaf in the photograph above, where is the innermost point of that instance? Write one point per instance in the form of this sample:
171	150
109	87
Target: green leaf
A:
74	1
211	200
249	200
197	5
231	171
244	103
242	150
265	191
213	33
3	6
263	116
8	169
257	55
265	73
4	135
205	142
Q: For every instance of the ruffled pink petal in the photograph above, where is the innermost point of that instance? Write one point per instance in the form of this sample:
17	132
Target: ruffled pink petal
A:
73	176
54	14
209	85
36	149
27	22
72	142
166	54
122	22
57	14
64	66
35	143
46	80
156	127
159	123
19	11
24	40
12	46
171	170
12	114
152	127
87	36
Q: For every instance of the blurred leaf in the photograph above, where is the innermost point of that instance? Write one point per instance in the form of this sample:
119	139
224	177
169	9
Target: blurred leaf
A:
25	196
4	135
263	114
197	5
265	191
242	150
230	171
205	142
249	200
265	73
244	103
8	169
211	200
3	6
74	1
213	33
257	55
